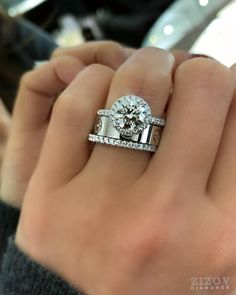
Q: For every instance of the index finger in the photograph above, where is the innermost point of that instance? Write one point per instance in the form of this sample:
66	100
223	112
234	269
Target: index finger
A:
107	53
39	89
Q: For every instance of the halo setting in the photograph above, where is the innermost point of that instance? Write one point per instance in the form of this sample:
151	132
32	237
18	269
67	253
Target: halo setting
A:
128	124
130	115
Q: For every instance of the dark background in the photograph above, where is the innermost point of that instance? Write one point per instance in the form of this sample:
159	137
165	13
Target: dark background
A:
126	21
27	38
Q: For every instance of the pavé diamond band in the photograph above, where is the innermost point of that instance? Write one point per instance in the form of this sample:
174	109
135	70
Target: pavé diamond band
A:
151	120
129	124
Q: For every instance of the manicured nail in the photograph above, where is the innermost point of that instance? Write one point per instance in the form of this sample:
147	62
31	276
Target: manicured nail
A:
201	55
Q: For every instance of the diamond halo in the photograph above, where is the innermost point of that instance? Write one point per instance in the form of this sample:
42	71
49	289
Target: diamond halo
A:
130	115
128	124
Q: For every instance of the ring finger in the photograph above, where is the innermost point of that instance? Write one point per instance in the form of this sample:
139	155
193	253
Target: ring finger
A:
148	74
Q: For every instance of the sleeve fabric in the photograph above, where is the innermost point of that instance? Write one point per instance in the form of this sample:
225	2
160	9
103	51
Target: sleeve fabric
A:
9	217
22	276
24	43
19	275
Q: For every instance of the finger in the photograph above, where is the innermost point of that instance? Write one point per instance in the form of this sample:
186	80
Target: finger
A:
129	51
39	89
180	57
195	121
107	53
148	74
222	183
66	148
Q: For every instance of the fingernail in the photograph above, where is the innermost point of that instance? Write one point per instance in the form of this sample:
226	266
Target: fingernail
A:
201	55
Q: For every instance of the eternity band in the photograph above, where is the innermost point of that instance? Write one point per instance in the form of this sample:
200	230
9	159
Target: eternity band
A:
151	120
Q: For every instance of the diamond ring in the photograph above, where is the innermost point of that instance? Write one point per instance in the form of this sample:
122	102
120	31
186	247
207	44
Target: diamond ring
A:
129	124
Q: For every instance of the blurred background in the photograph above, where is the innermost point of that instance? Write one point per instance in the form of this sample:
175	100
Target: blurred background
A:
31	29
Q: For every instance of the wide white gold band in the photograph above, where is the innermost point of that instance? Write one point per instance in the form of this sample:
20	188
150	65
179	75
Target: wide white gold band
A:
106	133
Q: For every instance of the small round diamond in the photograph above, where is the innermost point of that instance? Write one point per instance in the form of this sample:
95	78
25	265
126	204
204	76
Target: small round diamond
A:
130	115
157	121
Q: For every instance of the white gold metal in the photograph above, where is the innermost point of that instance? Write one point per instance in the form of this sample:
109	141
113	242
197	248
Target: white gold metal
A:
151	120
130	115
105	128
106	133
129	124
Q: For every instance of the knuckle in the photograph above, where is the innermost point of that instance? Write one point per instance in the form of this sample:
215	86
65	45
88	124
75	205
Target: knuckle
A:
62	63
129	72
132	79
67	109
143	64
142	79
148	238
60	60
136	247
27	78
57	52
112	45
95	69
153	51
208	74
142	83
64	60
29	83
113	50
57	64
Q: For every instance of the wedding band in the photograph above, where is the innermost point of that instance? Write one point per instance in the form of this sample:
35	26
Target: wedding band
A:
128	124
151	120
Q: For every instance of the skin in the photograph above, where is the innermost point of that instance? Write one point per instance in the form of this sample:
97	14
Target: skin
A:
113	221
38	91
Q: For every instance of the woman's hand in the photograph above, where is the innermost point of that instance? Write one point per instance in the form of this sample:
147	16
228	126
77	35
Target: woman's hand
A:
38	91
113	221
